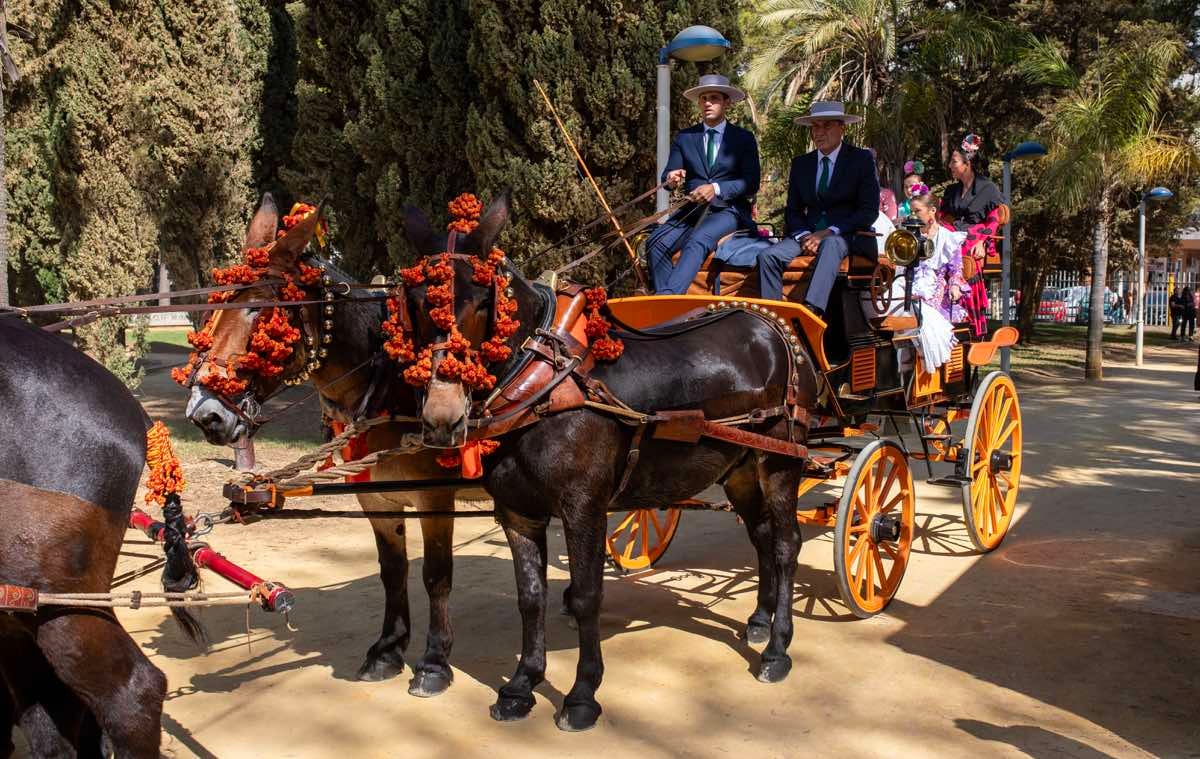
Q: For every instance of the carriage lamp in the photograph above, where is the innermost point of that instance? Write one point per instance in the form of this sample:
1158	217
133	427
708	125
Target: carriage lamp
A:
1023	150
1158	194
695	44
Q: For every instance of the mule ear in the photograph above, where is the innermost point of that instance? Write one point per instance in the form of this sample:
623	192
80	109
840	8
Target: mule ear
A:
291	246
263	226
418	230
493	220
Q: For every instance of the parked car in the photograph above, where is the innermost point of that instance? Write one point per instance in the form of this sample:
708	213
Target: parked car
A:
1079	304
1052	307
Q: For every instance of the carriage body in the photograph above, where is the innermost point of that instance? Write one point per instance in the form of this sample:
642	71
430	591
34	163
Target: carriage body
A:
957	416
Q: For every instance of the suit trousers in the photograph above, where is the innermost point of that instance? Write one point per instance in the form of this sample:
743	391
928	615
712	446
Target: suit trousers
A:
694	245
774	260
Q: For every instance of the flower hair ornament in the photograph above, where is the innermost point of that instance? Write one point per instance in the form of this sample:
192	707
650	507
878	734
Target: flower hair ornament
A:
971	145
913	167
919	189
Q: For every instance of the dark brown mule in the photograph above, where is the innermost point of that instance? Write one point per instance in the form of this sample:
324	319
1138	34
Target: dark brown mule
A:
72	448
570	464
347	376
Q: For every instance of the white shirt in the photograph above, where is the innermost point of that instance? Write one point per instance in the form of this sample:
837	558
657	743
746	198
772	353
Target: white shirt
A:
718	138
832	163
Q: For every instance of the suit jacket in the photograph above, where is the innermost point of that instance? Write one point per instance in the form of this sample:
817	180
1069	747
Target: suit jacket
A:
851	204
735	169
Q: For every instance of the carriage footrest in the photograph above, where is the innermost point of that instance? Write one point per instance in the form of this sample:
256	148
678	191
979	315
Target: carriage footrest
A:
932	438
951	481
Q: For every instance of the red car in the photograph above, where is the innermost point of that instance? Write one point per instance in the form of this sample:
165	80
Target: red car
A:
1052	308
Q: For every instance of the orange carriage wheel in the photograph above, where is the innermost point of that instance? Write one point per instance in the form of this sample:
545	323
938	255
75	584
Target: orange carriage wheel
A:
992	459
641	537
873	536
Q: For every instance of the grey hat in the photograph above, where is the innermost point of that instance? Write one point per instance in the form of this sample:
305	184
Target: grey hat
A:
714	83
828	110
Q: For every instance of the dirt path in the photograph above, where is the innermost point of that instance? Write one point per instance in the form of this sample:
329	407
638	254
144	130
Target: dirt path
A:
1078	637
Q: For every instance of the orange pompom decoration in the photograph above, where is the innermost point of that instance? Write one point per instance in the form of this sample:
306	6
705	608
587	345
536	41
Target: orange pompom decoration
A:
450	368
597	326
465	206
440	271
462	226
399	349
439	295
166	475
456	343
419	374
238	274
496	256
449	459
505	327
259	257
222	385
596	297
201	341
300	211
443	317
290	291
494	350
484	273
309	275
608	349
181	374
413	275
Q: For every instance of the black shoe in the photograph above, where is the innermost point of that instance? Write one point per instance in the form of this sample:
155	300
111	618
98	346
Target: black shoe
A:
820	312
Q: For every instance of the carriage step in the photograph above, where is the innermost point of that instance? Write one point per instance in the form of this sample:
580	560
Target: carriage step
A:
936	437
952	481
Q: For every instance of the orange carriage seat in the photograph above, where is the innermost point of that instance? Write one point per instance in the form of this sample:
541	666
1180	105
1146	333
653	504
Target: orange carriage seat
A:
723	278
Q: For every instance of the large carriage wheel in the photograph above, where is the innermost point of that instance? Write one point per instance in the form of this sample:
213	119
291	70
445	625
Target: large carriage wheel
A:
992	459
873	536
641	537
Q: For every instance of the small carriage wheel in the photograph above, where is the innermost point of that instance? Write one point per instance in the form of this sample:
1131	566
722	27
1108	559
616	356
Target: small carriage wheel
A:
641	537
992	458
881	288
873	536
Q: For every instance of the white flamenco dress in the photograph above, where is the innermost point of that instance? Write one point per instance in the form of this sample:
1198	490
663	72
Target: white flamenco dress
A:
932	279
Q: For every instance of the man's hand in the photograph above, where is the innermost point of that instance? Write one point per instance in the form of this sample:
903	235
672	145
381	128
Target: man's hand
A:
812	243
703	194
675	177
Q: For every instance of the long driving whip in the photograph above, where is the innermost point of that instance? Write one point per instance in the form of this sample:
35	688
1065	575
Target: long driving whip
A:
599	193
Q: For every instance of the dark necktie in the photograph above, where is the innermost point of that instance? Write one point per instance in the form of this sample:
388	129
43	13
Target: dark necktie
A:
711	151
823	190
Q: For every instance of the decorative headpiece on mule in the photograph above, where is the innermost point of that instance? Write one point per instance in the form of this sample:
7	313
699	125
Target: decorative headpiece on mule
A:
913	166
971	145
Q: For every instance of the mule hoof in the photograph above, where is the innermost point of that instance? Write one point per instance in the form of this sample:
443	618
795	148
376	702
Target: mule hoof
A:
758	634
378	669
578	717
511	709
774	671
428	683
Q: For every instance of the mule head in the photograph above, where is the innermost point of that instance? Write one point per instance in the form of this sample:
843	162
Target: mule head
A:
457	325
244	355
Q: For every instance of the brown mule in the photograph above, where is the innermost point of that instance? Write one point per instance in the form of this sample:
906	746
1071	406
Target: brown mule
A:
72	448
349	387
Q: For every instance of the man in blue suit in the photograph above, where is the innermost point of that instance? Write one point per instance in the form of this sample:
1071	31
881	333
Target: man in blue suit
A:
718	164
833	194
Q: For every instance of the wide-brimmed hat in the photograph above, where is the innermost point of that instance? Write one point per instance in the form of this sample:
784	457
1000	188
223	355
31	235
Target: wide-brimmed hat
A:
828	110
714	83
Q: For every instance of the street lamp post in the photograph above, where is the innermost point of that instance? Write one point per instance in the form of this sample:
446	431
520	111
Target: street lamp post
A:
1158	193
1024	150
696	43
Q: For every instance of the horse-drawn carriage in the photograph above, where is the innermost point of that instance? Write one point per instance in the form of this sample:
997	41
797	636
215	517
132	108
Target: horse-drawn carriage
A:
596	407
958	415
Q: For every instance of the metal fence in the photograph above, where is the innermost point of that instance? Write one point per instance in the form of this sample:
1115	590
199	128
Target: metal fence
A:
1067	294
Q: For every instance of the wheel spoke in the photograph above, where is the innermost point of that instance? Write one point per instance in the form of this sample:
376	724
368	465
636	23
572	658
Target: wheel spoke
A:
658	528
883	576
887	484
870	569
891	504
645	533
862	508
625	522
1005	433
998	420
890	550
857	555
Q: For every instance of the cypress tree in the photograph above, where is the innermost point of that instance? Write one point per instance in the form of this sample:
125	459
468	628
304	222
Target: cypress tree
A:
596	59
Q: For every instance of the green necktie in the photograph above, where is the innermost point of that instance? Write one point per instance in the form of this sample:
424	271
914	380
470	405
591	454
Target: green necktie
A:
711	151
823	189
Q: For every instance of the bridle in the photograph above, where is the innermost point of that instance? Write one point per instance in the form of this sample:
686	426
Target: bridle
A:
317	336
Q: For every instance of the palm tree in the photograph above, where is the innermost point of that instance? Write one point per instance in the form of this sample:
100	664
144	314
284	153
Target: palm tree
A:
873	53
1106	139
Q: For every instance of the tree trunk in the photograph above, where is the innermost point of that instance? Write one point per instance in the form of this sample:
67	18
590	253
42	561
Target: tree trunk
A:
1093	368
3	183
1033	284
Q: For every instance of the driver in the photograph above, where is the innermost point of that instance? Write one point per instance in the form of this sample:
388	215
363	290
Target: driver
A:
717	162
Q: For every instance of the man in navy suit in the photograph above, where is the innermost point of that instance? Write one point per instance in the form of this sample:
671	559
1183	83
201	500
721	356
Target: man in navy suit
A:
718	164
833	193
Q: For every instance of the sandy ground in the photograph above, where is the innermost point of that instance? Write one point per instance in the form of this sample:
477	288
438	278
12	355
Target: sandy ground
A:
1078	637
